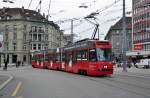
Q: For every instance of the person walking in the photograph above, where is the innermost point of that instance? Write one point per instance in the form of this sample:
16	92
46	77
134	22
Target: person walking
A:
17	64
5	64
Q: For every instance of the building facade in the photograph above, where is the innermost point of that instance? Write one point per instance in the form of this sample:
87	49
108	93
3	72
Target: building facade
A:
115	36
141	27
25	31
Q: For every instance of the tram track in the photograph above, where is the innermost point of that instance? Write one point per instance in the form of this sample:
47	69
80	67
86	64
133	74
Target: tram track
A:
143	91
117	81
136	89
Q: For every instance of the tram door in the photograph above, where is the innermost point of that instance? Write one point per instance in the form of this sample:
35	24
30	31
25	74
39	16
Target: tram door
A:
82	59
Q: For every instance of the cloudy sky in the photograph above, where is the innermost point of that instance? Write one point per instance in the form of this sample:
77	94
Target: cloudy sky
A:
61	11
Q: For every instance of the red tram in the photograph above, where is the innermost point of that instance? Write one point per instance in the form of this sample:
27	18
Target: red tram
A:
38	60
88	57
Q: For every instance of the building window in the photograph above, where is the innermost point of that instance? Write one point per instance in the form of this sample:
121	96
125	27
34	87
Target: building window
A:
14	35
46	46
24	36
34	37
46	31
39	46
40	30
15	32
6	28
39	37
14	46
6	44
117	31
46	37
34	46
6	36
24	47
34	28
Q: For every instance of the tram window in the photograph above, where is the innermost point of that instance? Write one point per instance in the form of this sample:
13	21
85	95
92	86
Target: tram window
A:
46	58
57	58
92	55
49	57
82	55
54	58
63	57
79	56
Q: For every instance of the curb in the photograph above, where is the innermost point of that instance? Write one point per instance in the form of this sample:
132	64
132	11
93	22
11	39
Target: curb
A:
6	82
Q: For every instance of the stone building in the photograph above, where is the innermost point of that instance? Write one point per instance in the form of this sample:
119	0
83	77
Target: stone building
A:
25	31
114	35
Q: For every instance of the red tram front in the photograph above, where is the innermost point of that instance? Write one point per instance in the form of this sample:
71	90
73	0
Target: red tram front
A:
89	57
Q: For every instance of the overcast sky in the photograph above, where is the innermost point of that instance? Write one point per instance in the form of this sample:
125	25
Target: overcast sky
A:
68	9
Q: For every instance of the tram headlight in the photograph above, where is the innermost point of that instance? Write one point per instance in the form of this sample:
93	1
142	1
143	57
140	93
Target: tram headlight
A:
105	66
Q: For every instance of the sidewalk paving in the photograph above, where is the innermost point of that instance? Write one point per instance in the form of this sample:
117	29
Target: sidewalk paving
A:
133	72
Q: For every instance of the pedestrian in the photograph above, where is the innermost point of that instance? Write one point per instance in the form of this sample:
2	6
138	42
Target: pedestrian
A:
16	64
5	64
22	63
134	63
19	62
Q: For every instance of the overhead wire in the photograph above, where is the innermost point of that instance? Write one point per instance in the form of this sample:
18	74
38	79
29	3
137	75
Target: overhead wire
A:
75	25
99	11
29	4
39	4
108	6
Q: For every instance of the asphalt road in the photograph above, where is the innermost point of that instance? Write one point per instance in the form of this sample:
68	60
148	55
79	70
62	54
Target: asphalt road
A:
38	83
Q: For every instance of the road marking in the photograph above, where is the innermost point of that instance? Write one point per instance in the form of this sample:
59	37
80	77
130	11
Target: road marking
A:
17	89
20	97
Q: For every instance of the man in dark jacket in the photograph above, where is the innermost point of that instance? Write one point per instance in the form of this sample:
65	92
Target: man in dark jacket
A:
5	64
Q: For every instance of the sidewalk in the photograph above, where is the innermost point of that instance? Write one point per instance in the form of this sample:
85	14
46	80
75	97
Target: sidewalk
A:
132	71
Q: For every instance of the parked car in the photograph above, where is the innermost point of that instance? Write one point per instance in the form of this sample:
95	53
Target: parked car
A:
143	63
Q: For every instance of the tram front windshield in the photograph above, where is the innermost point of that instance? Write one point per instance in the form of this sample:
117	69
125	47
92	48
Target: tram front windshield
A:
103	54
100	54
